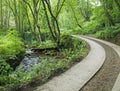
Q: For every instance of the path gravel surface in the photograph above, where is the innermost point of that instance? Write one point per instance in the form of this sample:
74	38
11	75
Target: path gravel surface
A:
105	78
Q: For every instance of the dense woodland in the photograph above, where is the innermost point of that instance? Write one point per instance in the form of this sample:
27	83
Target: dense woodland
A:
45	27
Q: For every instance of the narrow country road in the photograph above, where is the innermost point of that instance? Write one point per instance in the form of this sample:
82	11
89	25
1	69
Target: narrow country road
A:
98	71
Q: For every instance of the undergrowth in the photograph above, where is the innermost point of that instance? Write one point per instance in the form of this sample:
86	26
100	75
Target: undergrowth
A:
72	51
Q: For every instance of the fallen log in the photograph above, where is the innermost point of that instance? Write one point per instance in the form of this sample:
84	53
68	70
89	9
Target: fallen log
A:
44	49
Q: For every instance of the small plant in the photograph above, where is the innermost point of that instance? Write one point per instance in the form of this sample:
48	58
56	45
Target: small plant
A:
47	44
5	68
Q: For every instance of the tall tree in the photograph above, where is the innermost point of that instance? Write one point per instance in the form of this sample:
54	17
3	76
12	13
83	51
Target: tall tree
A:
1	12
75	16
34	9
106	6
84	8
52	20
117	4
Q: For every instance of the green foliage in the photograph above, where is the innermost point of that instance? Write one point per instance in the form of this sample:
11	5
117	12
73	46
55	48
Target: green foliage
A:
11	45
66	32
4	80
104	34
49	67
46	34
109	32
29	38
5	69
47	44
67	41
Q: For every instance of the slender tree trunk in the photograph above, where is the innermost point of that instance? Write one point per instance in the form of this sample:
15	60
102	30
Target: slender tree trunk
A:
54	22
1	11
27	15
59	8
8	22
117	4
16	15
34	10
75	17
87	11
110	20
48	21
36	26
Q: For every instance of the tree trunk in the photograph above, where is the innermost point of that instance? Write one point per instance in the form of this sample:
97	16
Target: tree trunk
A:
109	17
48	21
1	9
75	17
87	11
117	4
54	22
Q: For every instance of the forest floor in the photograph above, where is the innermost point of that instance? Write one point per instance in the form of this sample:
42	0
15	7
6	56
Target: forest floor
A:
105	78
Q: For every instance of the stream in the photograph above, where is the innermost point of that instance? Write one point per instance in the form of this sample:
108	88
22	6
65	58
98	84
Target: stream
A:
29	61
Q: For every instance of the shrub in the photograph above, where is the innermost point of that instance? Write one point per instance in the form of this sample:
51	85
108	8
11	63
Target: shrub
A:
109	32
5	68
47	44
68	41
11	45
104	34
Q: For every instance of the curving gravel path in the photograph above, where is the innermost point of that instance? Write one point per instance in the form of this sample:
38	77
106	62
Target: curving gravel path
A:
105	78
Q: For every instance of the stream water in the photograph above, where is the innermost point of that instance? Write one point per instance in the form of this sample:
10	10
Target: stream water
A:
29	61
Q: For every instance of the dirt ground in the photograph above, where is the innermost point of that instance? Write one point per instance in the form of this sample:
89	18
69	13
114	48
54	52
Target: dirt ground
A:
105	78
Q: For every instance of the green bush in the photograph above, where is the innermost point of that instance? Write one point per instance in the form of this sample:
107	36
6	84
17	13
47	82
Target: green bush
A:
11	45
47	44
5	68
68	41
11	49
104	34
109	32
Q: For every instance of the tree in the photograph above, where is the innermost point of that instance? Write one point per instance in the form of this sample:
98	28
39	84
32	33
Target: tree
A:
117	4
84	8
106	7
4	15
1	13
34	9
18	14
74	14
52	20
